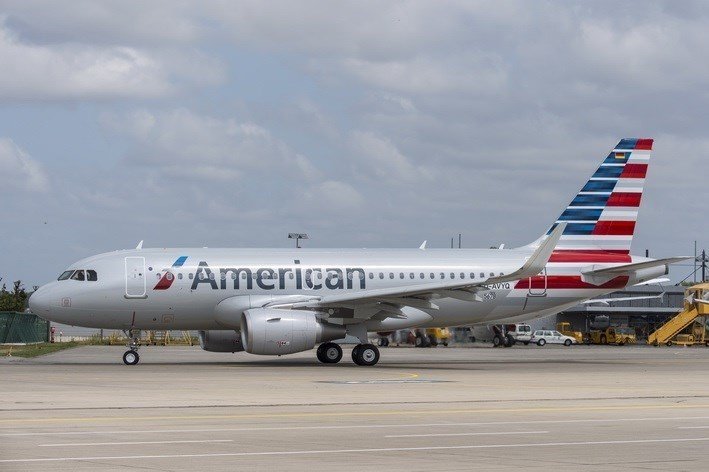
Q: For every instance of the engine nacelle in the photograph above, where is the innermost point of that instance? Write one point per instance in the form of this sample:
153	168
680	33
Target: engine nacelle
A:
220	340
271	331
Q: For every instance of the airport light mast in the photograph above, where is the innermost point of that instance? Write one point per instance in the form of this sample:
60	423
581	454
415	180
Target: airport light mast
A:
298	237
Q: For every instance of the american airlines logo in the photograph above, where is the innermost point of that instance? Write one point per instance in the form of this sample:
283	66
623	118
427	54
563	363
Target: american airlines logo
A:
266	278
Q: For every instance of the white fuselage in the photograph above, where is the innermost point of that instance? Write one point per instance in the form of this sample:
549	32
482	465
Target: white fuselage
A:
181	288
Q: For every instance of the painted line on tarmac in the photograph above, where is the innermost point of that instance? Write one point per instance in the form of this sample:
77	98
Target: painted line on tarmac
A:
357	426
138	442
356	413
435	435
693	427
356	451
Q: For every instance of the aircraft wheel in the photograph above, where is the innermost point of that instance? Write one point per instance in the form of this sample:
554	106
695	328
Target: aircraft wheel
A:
131	357
367	354
355	350
329	353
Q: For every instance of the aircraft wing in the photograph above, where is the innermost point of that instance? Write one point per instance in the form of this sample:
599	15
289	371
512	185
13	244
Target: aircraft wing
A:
420	295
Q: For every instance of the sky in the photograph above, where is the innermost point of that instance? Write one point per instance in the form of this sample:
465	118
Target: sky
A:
364	123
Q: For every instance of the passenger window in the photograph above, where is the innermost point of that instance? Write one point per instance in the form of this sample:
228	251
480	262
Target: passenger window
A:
462	275
179	276
452	275
78	275
381	275
433	276
443	276
411	275
401	275
211	276
422	275
472	275
371	275
482	275
191	276
391	275
290	275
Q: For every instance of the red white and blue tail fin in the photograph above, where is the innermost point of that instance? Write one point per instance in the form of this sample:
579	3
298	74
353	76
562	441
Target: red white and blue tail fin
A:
602	216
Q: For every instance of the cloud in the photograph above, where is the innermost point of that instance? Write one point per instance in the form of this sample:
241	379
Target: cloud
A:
189	145
18	170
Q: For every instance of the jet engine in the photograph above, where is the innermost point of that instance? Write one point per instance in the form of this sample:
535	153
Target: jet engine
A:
216	340
272	331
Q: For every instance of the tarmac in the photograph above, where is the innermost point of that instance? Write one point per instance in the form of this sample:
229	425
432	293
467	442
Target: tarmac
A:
576	408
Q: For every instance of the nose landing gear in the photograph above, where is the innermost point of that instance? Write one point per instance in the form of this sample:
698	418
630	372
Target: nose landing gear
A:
131	357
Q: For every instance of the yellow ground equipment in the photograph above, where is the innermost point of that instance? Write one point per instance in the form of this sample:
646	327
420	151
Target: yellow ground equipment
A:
689	327
565	328
432	337
613	335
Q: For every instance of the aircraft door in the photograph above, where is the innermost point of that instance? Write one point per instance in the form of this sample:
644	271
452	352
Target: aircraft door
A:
135	277
538	285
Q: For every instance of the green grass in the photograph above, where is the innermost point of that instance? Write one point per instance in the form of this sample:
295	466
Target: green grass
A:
34	350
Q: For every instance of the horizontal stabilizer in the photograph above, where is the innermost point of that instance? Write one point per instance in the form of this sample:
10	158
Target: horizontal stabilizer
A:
629	268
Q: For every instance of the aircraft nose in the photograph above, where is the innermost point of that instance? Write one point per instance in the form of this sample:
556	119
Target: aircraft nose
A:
39	301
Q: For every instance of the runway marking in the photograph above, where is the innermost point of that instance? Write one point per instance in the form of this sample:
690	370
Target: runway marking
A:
693	427
433	435
355	451
357	413
138	442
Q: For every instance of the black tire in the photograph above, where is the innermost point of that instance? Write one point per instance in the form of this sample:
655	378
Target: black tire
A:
496	341
354	353
567	343
526	343
541	342
329	353
445	343
320	354
706	343
472	340
432	340
367	355
668	343
131	357
510	340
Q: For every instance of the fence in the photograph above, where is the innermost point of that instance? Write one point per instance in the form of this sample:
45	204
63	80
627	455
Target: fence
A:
22	328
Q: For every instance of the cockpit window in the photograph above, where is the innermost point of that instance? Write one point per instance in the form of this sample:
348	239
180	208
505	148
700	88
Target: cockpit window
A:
78	275
91	275
65	275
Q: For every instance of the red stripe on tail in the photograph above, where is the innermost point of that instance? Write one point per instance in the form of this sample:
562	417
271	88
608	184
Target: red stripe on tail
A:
624	199
614	228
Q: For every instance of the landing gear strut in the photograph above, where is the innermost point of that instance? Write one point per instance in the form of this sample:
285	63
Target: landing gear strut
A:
329	353
365	354
131	357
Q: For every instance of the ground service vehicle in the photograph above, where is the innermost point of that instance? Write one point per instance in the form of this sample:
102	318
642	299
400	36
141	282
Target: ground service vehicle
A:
613	335
690	326
521	332
546	336
564	328
432	337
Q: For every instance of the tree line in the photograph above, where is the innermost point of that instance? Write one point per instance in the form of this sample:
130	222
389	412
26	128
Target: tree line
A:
14	299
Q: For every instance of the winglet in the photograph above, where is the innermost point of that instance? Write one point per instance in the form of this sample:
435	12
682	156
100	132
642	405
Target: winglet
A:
537	261
423	245
140	245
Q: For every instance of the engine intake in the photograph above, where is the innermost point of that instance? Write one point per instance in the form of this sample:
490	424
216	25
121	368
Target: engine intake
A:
220	341
271	331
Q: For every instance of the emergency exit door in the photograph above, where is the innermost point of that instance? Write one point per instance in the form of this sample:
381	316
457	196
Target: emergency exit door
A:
135	277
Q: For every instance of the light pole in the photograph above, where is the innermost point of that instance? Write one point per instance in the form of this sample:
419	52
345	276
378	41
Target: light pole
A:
298	237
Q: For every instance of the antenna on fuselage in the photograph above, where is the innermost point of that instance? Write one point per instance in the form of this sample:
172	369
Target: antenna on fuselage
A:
140	245
423	245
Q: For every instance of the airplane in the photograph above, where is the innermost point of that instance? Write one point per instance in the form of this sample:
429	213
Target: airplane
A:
283	301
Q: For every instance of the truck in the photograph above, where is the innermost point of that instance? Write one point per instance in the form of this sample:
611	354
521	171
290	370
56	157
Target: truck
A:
564	328
519	333
612	335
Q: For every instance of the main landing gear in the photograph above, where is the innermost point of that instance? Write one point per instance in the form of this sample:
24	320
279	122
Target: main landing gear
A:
362	354
131	357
